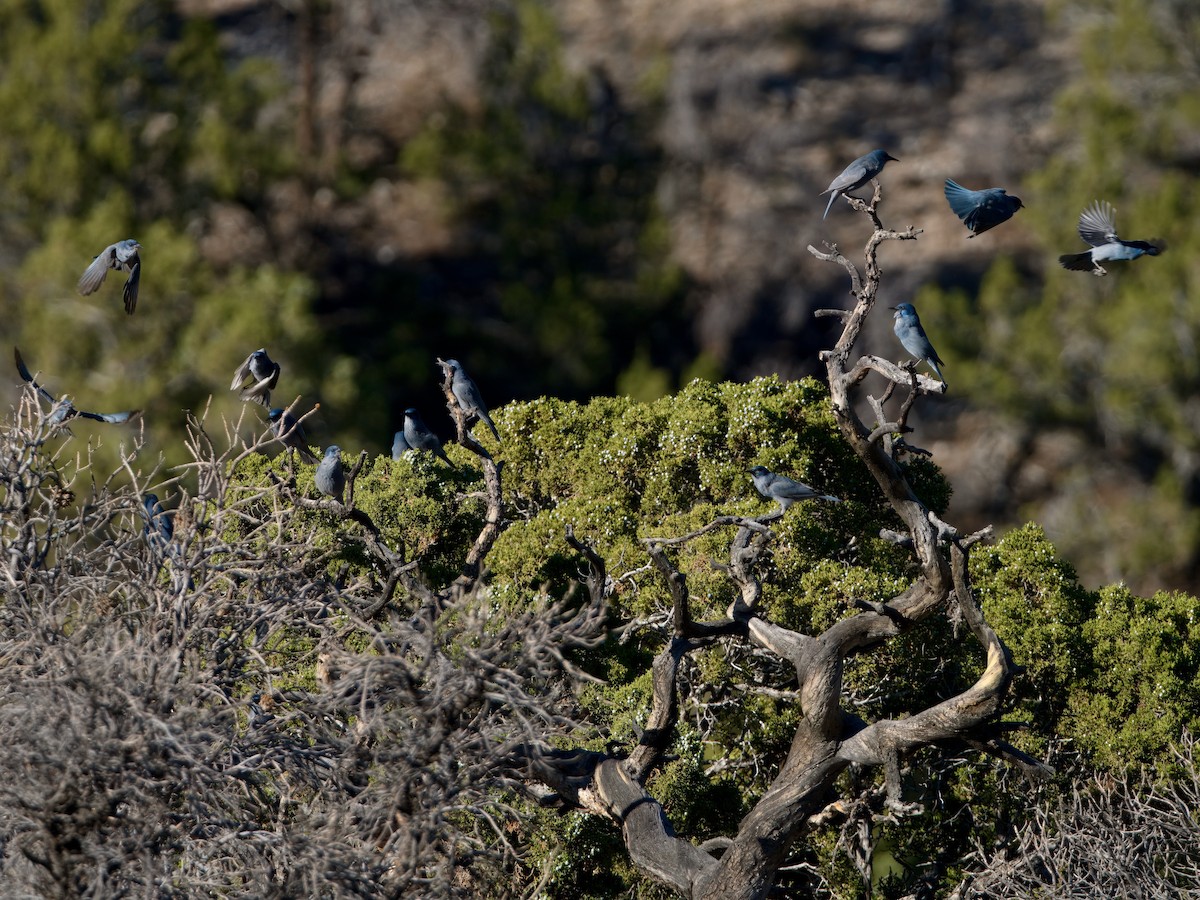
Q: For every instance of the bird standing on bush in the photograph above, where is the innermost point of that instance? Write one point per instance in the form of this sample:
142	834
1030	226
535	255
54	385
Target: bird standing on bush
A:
783	490
290	433
331	480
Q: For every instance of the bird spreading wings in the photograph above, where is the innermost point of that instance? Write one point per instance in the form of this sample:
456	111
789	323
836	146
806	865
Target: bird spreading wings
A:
122	256
63	411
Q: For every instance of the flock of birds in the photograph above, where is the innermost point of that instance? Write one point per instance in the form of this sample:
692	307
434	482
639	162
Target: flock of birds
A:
981	211
255	378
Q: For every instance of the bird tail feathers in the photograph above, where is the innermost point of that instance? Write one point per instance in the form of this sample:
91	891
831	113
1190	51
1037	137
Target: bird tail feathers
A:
1077	262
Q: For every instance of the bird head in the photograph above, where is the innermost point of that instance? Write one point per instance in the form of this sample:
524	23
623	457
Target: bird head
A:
333	450
882	156
903	309
758	471
274	414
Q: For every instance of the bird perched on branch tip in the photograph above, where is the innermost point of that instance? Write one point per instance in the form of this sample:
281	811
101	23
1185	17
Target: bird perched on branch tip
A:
857	174
466	392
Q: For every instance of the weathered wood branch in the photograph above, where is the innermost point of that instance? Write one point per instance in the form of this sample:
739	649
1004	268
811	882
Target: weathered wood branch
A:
829	738
493	522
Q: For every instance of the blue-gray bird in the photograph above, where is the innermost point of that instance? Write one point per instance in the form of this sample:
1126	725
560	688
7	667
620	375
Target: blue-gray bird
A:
908	328
122	256
331	480
158	531
290	433
857	174
466	392
419	437
784	490
1097	228
265	373
159	528
62	410
399	445
981	210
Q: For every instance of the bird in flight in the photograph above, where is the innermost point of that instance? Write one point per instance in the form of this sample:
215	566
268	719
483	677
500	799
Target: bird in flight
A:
63	410
1096	227
981	210
122	256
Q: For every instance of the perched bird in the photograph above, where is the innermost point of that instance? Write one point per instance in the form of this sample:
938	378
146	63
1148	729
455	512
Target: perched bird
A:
908	328
63	411
291	433
158	531
159	528
265	373
122	256
981	210
466	392
399	445
419	437
784	490
331	481
857	174
1096	227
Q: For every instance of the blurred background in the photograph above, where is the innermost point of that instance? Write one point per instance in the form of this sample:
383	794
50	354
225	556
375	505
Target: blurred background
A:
576	197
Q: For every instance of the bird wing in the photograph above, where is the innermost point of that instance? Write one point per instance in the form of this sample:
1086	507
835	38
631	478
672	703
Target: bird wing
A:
964	202
93	275
260	391
130	293
24	373
1096	224
242	373
115	418
852	176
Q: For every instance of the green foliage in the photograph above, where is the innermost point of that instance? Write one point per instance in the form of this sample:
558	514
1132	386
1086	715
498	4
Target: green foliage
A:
123	120
1109	672
123	98
1037	606
560	200
1145	656
620	471
415	502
